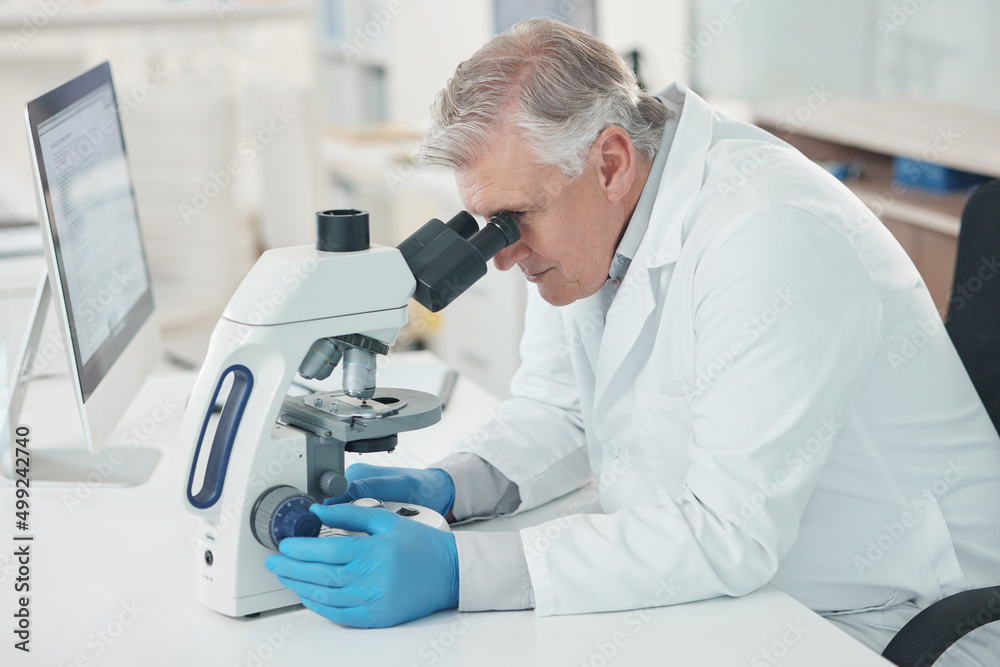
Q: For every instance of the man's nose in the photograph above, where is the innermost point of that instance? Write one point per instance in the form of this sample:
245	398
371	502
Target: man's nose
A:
510	255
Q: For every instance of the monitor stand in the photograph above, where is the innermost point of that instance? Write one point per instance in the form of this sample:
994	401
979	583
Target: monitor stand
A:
110	467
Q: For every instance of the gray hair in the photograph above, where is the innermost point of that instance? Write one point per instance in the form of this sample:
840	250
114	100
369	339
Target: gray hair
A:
560	86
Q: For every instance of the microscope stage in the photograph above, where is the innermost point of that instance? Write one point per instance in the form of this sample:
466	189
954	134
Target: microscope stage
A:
334	414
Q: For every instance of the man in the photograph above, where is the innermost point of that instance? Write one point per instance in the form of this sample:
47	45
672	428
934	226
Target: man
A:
720	335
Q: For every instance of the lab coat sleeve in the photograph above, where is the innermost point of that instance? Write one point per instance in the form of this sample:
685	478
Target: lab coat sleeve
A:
481	491
492	572
795	295
536	439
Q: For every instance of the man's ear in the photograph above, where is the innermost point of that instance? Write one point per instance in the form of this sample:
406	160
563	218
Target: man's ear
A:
616	162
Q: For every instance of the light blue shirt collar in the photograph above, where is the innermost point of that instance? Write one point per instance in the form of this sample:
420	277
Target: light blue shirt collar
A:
639	222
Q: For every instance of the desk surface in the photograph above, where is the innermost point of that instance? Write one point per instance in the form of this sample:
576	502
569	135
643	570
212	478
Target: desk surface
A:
113	583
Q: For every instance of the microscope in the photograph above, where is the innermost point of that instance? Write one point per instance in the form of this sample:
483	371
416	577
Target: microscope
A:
256	466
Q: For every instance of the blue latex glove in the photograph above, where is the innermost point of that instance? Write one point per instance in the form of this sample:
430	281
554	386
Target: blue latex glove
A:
400	571
431	488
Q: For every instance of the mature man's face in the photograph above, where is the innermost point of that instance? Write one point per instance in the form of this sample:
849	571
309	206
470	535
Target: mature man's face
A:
569	228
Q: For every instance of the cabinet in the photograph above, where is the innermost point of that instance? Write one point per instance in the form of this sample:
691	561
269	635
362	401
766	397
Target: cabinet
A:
872	131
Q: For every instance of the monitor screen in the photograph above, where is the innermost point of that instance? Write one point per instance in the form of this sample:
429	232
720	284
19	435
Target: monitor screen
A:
92	213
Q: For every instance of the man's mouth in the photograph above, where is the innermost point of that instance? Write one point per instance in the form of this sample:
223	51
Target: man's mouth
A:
533	277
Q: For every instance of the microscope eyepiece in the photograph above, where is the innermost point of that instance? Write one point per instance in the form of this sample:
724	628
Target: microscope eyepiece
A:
447	258
500	232
506	224
464	224
342	230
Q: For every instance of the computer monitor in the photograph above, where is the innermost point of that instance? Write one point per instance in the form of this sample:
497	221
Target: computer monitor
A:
97	270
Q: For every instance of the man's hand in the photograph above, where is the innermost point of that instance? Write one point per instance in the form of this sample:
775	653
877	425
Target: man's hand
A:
400	571
433	488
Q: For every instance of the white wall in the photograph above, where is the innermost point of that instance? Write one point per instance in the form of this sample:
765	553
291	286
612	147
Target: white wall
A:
427	41
777	50
765	50
657	28
948	51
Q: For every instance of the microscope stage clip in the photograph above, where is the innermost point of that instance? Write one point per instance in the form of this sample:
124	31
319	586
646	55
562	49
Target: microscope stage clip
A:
347	408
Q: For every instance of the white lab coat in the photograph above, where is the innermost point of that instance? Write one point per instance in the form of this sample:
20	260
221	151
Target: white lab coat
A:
773	398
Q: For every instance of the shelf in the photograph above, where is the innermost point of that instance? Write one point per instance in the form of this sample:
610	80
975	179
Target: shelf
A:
874	131
937	212
920	129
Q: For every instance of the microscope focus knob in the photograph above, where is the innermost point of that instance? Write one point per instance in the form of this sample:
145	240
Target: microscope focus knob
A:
280	512
332	483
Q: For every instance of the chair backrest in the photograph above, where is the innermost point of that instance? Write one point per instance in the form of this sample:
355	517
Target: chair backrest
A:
973	320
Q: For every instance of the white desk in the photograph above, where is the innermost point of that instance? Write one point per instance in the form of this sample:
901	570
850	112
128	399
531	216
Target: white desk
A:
113	583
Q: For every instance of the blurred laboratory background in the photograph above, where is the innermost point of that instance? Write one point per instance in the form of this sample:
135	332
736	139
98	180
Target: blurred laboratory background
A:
244	117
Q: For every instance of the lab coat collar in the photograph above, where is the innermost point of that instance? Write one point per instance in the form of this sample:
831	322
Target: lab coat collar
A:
679	186
682	178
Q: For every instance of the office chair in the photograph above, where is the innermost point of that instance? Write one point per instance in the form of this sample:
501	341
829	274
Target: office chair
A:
973	322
